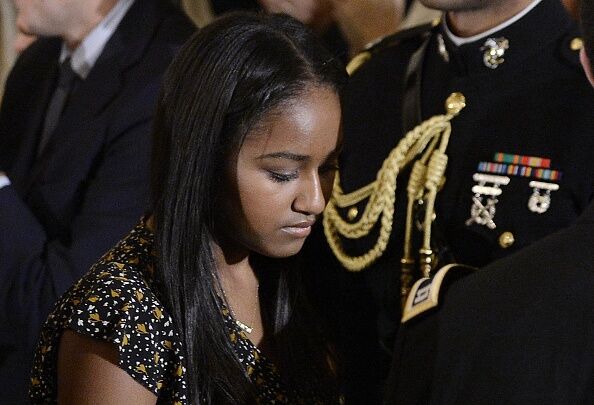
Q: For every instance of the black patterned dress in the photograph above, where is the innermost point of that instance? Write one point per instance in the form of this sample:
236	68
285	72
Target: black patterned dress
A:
117	302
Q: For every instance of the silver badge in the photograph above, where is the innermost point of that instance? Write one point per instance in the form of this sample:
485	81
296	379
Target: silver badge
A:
540	202
482	211
494	49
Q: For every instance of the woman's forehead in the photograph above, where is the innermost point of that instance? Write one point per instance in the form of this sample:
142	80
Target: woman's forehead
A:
309	120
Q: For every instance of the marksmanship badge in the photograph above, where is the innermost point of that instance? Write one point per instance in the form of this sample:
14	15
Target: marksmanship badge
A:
487	190
540	200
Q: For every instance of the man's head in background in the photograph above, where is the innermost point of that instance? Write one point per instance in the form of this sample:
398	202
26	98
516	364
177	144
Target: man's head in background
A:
587	22
315	13
70	19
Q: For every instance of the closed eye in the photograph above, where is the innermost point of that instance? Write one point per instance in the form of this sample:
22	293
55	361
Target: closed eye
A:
282	177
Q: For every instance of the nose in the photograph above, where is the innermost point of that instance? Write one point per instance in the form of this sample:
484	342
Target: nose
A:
310	197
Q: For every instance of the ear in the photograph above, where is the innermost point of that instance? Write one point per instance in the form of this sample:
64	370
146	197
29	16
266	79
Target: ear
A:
587	65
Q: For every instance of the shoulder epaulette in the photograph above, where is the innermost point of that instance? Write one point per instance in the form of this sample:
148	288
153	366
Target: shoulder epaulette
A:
387	42
424	294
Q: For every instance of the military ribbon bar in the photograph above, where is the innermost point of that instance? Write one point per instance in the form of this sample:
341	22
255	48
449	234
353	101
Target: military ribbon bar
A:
519	170
530	161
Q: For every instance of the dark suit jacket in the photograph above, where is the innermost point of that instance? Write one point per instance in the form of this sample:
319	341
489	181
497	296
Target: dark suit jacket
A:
90	185
519	331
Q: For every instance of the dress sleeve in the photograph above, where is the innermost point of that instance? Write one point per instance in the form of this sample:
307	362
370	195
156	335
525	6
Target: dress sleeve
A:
117	306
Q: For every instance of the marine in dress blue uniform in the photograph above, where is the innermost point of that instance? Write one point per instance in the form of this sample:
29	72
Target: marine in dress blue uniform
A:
519	152
517	331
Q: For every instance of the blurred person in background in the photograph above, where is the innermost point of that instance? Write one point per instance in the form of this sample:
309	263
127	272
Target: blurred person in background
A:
12	42
347	26
74	152
7	34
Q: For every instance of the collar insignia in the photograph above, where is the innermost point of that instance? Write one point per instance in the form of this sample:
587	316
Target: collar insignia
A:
494	50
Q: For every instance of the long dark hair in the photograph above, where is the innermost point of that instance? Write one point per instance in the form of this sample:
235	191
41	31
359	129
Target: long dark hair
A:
223	81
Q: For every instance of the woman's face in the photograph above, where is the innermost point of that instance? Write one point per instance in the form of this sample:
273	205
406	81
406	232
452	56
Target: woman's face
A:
283	176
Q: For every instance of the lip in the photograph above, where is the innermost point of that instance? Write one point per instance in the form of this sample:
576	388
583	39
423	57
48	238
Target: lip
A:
300	230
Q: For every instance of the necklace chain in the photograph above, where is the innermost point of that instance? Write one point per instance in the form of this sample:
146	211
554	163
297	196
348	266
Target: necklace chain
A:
242	326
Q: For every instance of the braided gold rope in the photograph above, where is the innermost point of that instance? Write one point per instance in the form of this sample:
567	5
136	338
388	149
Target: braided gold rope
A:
381	193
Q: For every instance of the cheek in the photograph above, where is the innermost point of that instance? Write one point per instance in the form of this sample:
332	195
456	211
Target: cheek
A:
264	202
22	17
266	209
34	18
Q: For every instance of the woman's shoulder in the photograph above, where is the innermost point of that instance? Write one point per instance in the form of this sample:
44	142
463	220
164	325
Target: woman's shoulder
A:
123	273
120	284
117	301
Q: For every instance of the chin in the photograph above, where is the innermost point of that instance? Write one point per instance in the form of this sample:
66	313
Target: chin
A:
284	251
22	26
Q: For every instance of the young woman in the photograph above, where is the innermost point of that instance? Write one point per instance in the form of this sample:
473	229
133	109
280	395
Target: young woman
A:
202	302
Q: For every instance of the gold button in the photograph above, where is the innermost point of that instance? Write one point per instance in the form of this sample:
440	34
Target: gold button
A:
352	214
576	44
506	239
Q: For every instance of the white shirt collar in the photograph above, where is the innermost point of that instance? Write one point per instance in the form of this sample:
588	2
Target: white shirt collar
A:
83	58
461	41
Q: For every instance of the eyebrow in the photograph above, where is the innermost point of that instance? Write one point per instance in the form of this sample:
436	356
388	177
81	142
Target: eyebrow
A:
298	158
285	155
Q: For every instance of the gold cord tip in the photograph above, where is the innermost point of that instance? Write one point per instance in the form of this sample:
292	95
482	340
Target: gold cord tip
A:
455	103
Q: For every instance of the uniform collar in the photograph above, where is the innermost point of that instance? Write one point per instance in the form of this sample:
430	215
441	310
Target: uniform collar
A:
83	58
527	33
456	40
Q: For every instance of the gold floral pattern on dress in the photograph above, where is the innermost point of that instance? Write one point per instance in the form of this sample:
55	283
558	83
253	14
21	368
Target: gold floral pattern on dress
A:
117	301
